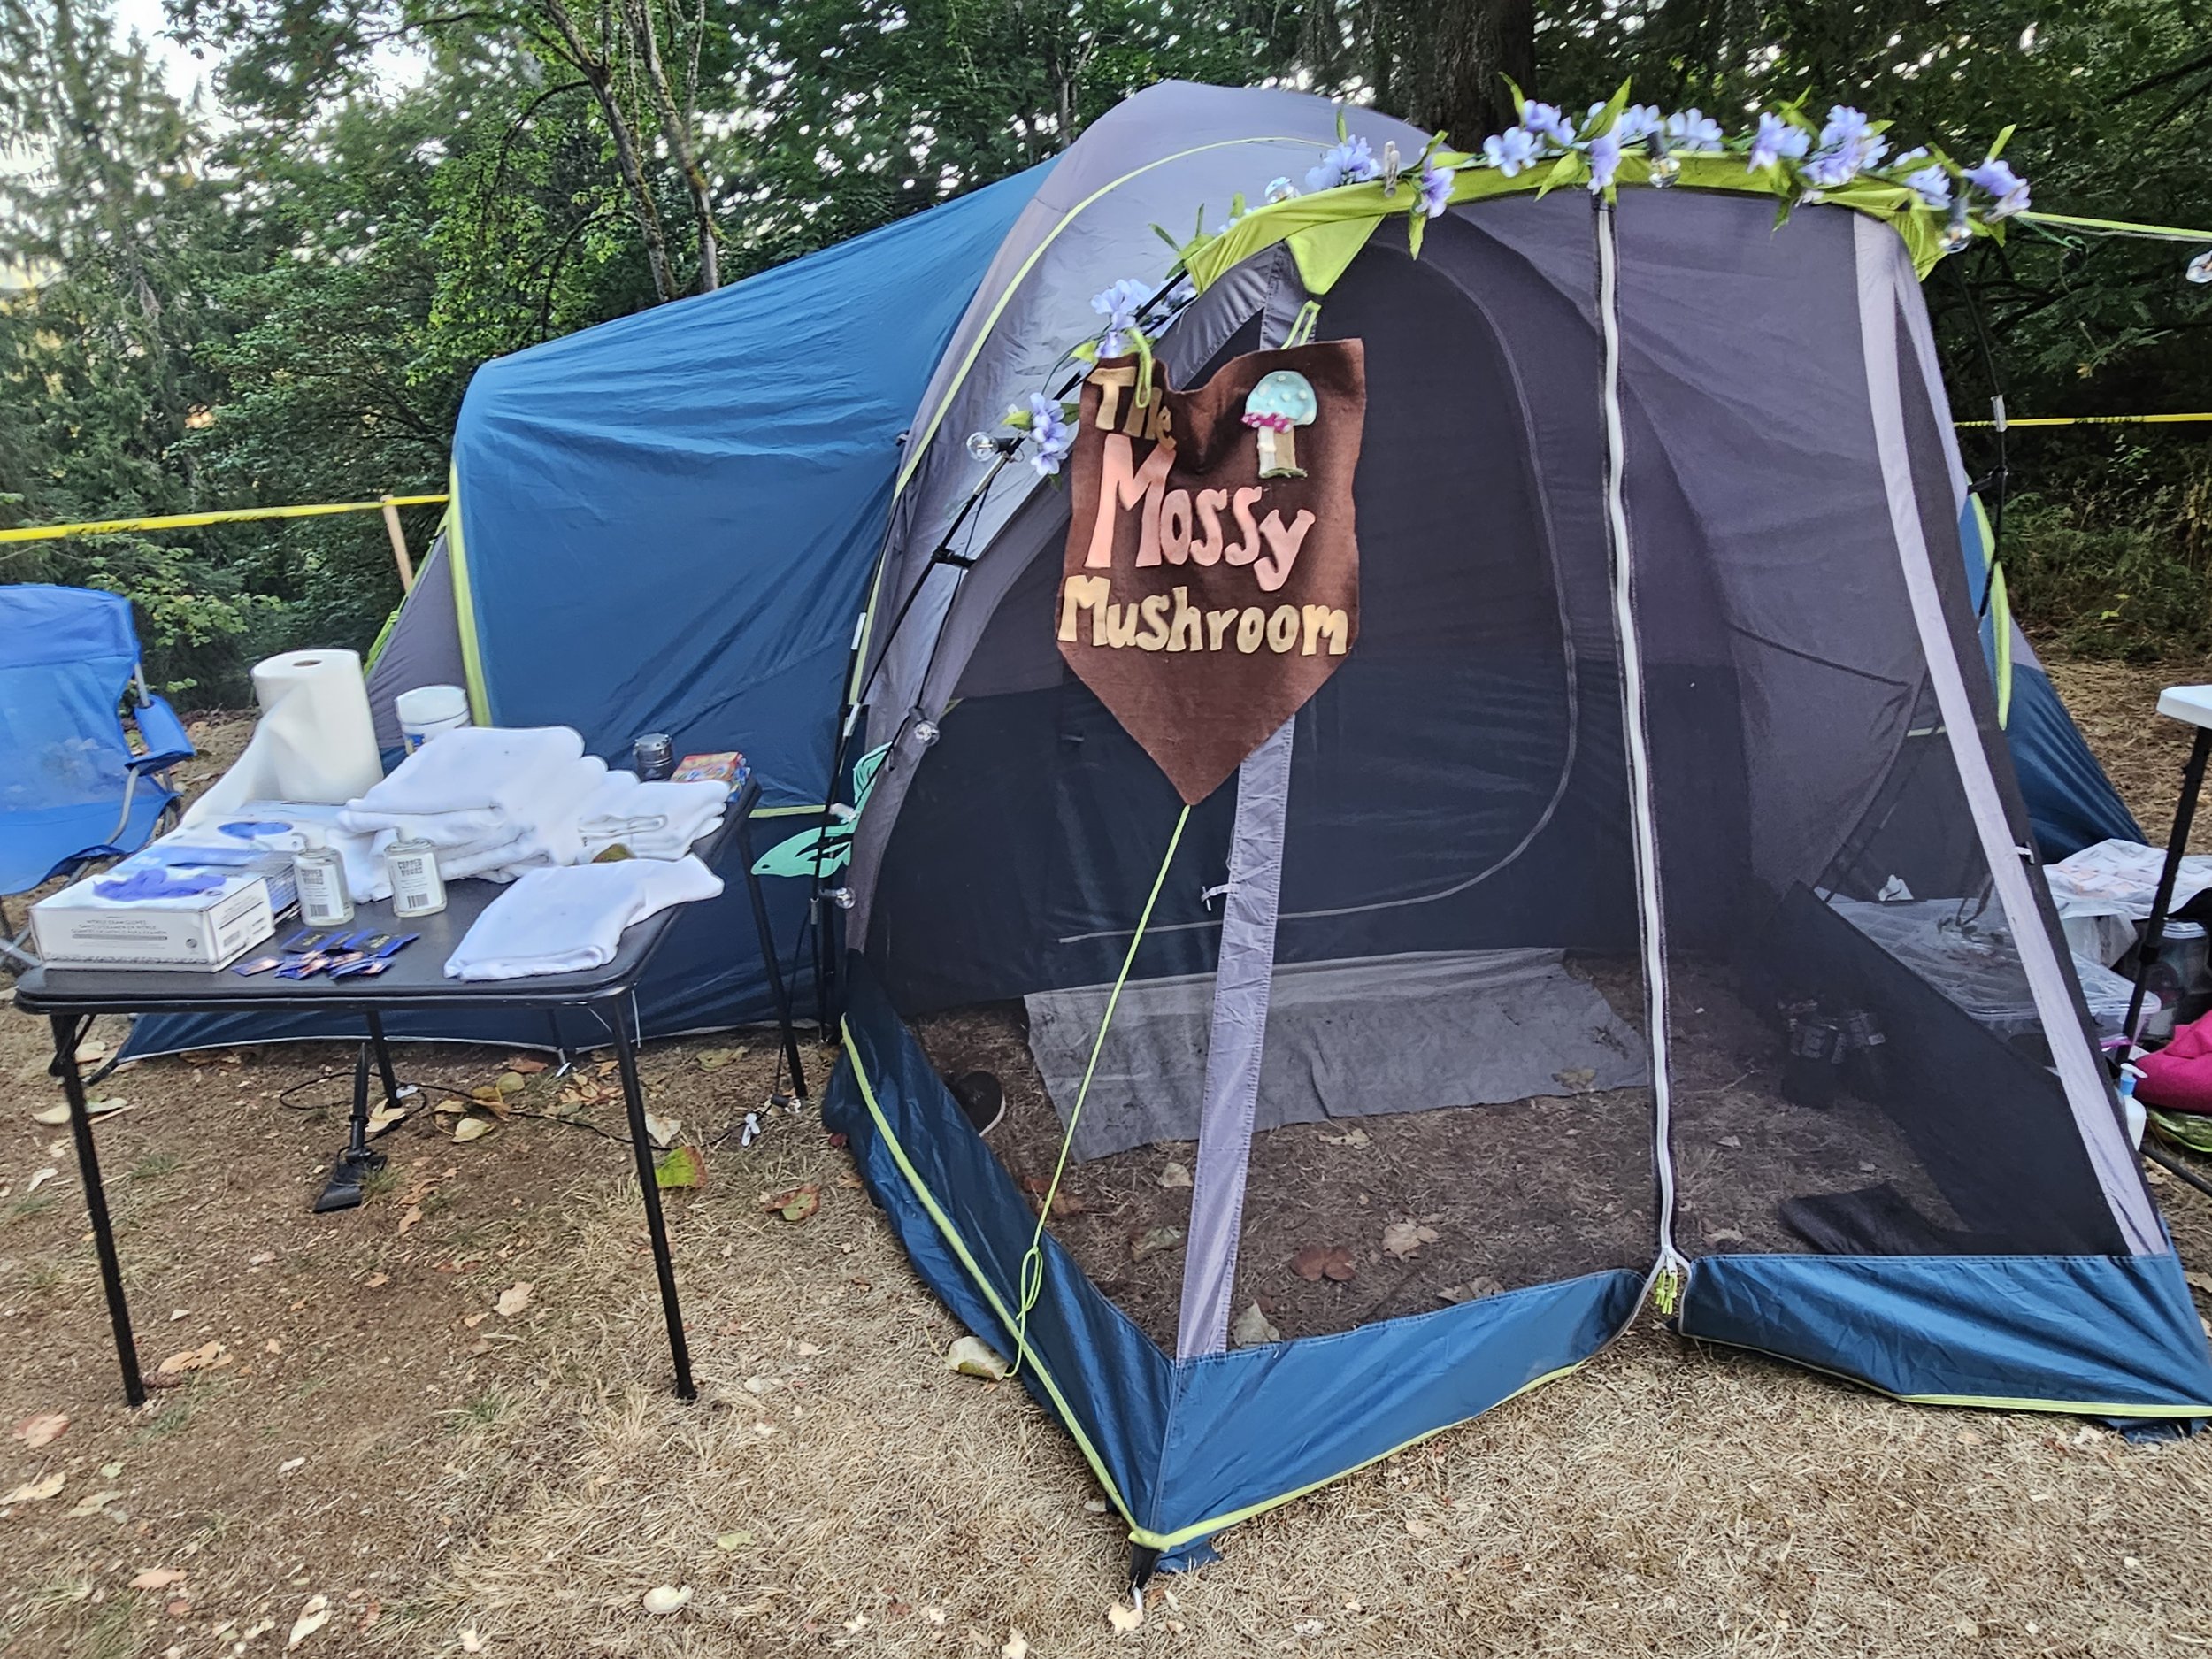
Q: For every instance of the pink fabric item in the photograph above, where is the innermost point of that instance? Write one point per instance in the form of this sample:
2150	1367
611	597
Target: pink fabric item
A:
2179	1077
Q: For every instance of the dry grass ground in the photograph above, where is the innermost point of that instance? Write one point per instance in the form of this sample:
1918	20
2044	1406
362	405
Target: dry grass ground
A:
512	1484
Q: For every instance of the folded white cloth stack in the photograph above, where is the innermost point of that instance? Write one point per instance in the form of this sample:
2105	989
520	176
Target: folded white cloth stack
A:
493	801
564	920
652	820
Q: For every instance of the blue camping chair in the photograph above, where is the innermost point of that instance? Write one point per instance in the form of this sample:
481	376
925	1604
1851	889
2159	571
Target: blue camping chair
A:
75	790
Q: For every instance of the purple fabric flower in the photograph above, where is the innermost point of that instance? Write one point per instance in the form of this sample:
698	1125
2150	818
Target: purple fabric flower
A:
1775	139
1637	122
1436	188
1510	150
1547	121
1118	305
1692	129
1997	179
1605	161
1351	162
1055	434
1932	185
1848	147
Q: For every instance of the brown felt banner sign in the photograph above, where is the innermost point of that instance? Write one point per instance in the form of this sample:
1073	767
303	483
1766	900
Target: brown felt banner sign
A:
1211	580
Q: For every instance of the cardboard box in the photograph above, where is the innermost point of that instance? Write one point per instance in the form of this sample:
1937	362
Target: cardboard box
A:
69	931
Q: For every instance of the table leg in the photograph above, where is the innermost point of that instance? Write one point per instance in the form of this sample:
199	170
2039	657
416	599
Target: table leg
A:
642	1144
67	1028
350	1171
2176	843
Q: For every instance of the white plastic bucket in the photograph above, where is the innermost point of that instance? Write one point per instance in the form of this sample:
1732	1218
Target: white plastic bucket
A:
427	710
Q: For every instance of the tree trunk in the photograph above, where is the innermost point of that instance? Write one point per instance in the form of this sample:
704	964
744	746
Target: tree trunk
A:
676	131
1478	44
597	74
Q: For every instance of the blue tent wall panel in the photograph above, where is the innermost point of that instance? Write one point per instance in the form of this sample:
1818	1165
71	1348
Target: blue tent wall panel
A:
2070	802
1199	1441
671	521
1114	1382
2072	1332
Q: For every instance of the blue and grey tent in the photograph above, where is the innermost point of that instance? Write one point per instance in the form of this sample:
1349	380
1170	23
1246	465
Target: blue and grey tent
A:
1648	906
1651	907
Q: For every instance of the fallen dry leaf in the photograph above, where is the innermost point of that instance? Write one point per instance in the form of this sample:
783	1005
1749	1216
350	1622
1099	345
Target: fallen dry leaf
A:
1724	1235
1332	1262
664	1131
158	1578
1016	1646
1731	1140
39	1178
413	1215
796	1203
525	1065
41	1430
513	1300
92	1503
971	1356
1473	1290
195	1359
666	1598
35	1491
1125	1619
312	1619
1173	1175
1152	1240
384	1116
1253	1328
376	1280
474	1128
1404	1239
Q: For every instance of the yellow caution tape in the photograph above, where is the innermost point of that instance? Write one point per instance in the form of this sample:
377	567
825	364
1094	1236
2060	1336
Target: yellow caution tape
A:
192	520
2087	420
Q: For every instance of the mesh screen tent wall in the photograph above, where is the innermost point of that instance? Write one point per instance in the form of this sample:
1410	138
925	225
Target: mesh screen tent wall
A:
1654	894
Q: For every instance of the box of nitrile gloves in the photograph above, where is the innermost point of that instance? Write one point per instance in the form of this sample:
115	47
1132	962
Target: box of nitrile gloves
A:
81	927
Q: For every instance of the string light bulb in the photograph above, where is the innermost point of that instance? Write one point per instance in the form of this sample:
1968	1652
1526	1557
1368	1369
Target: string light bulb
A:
1957	232
926	733
1664	168
982	446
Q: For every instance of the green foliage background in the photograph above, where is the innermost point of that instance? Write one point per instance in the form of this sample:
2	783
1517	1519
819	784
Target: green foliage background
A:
279	296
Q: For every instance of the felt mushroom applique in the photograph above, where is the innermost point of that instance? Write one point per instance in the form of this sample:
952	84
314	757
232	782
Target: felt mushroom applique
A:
1279	405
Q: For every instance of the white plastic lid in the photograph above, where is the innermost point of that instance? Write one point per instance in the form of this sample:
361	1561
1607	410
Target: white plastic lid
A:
429	705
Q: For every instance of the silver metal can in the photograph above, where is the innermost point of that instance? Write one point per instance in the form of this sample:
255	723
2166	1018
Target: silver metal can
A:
417	888
319	874
653	756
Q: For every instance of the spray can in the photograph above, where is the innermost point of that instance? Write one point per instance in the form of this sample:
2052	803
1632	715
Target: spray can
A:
319	874
417	888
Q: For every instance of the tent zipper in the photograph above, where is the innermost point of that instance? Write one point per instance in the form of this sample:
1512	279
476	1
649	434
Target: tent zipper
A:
1670	1274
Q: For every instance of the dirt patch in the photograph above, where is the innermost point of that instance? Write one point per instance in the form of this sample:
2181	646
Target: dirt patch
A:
1481	1198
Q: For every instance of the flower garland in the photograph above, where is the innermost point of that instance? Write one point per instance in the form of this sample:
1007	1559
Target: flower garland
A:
1616	142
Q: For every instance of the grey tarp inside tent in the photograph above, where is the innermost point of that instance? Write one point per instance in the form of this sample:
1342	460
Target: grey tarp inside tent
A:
1667	675
424	647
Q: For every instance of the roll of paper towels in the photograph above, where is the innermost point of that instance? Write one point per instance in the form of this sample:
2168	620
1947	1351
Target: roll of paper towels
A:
315	739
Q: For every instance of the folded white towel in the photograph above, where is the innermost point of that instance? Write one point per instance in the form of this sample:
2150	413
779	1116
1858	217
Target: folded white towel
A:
471	787
659	819
563	920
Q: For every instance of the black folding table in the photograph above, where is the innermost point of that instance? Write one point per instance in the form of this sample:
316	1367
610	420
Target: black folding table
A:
71	997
